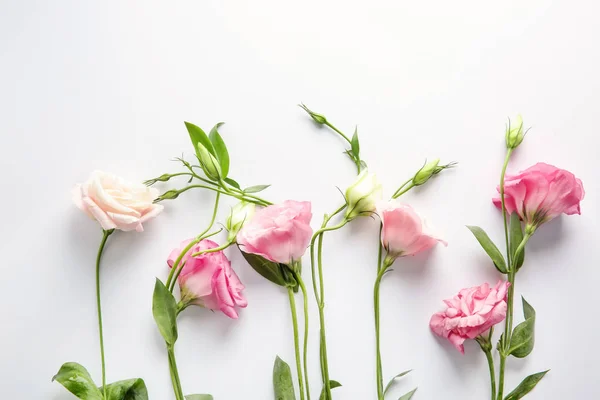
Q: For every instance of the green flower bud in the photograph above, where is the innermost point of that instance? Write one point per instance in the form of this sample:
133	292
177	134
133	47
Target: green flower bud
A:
362	195
427	171
209	163
318	118
240	213
168	195
514	133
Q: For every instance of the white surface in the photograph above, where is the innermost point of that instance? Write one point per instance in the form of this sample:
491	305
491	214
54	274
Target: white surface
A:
107	85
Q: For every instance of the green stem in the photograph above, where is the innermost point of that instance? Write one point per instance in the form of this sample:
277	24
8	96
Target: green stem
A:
378	367
237	194
487	349
403	189
338	132
305	357
296	341
506	160
320	291
106	234
175	374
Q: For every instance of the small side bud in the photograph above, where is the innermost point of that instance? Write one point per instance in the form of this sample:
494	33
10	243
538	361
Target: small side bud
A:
318	118
240	213
362	195
514	133
209	163
426	172
168	195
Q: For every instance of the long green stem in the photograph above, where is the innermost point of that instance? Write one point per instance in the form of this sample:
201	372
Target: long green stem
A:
487	349
237	194
320	291
106	234
175	374
403	189
296	341
305	350
506	160
377	336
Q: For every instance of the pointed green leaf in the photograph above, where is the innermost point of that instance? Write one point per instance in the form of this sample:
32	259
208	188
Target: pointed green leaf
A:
197	135
355	145
523	336
220	149
255	189
198	397
516	237
77	380
164	309
282	381
332	384
489	247
408	395
526	386
391	382
130	389
233	183
268	269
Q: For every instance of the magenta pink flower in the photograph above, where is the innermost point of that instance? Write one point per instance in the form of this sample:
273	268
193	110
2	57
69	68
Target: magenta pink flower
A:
404	233
279	233
542	192
470	313
208	280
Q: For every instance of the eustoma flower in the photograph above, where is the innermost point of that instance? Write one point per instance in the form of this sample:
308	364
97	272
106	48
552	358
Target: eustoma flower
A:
117	205
470	313
362	196
541	193
207	279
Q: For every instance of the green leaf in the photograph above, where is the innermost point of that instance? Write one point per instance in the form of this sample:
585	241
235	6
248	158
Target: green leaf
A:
255	189
164	309
526	386
198	397
523	336
220	149
489	247
355	145
408	395
268	269
197	135
77	380
130	389
516	237
282	381
332	384
391	382
233	183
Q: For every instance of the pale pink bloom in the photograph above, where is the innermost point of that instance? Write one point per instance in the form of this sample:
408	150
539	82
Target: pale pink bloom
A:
470	313
542	192
404	233
116	203
279	233
208	280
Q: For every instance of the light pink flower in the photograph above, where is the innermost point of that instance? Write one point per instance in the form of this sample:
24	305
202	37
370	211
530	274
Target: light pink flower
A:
470	313
208	280
542	192
279	233
404	233
116	203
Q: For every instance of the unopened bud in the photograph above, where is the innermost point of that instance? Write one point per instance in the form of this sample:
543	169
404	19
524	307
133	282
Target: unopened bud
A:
426	172
318	118
514	133
168	195
240	214
362	195
209	163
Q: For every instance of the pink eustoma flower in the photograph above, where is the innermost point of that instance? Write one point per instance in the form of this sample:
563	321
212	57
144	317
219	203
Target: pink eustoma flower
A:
279	233
540	193
470	313
207	280
404	233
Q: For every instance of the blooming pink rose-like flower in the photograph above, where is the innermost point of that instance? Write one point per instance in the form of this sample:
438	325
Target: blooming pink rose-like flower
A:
208	280
116	203
404	233
541	192
470	313
279	233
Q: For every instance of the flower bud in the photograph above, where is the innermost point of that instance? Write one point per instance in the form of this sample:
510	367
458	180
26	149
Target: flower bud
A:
168	195
318	118
362	195
427	171
514	133
240	213
209	163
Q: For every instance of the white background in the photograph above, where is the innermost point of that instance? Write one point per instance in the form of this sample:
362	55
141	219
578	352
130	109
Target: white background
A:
107	85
